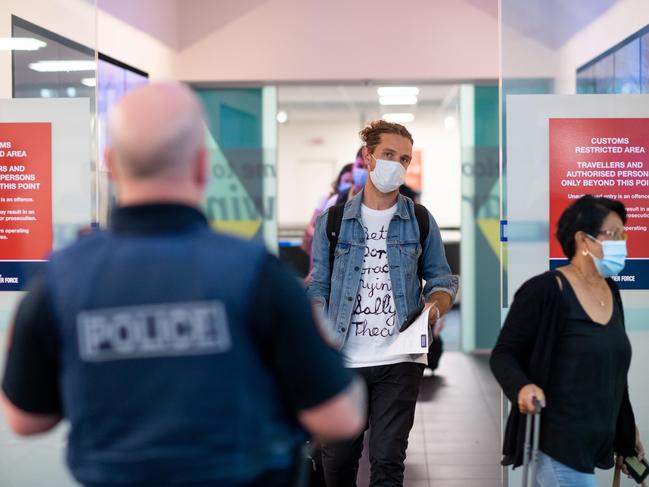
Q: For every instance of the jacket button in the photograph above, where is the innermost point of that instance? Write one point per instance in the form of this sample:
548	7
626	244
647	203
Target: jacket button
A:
356	268
343	329
349	298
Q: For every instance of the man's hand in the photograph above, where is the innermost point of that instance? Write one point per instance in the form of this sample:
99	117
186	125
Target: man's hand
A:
24	423
440	302
435	323
342	417
526	398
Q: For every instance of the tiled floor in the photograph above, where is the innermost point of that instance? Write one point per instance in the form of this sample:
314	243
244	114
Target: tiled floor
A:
455	441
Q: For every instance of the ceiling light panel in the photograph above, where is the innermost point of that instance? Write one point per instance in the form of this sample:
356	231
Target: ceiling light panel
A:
398	117
398	100
398	91
62	66
20	44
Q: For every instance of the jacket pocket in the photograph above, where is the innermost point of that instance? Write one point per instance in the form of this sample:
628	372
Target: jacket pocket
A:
409	259
410	249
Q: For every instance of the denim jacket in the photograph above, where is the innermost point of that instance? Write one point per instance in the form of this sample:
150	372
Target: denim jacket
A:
336	291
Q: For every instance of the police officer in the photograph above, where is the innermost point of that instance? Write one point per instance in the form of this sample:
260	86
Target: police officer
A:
179	356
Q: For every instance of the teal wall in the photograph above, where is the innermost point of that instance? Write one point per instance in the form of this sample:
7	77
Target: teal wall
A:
238	199
480	217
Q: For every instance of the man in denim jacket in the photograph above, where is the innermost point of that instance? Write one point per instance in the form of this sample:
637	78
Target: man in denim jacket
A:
372	289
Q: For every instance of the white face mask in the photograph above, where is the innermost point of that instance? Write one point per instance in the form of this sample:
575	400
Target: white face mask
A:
387	176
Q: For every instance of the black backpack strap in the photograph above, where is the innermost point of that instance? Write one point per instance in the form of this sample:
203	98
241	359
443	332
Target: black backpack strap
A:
421	213
334	220
342	197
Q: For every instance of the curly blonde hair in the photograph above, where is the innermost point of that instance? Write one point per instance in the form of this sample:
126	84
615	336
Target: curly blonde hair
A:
371	134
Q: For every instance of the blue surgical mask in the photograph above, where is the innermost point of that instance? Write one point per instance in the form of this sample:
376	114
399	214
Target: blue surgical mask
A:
613	260
342	187
359	175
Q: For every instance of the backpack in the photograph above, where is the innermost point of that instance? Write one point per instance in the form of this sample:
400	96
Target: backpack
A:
335	218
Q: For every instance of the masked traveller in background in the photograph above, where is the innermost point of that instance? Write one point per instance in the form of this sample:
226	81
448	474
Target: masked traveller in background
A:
341	185
359	178
564	343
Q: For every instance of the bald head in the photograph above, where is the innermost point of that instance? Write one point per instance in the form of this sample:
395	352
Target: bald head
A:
157	151
156	131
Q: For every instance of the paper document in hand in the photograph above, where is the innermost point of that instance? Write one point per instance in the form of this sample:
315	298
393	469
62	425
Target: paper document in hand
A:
415	339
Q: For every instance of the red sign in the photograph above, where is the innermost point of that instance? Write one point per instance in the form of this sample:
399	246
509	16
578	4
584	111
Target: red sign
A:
25	191
603	157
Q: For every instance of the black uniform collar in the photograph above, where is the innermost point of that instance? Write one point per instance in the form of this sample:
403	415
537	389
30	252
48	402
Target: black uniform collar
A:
156	218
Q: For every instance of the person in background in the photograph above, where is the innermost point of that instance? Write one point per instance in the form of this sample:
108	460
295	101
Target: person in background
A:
368	295
180	356
340	185
564	344
359	178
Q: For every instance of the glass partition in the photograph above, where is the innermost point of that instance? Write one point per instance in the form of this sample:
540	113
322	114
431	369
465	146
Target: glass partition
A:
242	144
48	155
114	79
61	69
572	78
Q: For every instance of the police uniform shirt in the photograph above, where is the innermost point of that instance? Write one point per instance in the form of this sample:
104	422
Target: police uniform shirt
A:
306	370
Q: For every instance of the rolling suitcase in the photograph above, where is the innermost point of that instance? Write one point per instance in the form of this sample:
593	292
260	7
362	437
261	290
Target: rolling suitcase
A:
531	448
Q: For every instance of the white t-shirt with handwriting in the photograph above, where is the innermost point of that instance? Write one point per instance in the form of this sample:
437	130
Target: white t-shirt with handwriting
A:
374	325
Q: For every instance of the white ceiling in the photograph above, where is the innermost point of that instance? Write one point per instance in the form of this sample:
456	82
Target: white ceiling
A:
550	22
179	23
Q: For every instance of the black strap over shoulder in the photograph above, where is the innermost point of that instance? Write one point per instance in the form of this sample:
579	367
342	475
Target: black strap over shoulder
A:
335	218
343	197
334	221
421	213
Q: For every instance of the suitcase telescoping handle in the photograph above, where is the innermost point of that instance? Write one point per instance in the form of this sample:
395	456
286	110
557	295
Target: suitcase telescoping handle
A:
531	449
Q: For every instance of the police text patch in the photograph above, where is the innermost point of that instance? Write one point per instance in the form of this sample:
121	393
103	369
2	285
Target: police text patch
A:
161	330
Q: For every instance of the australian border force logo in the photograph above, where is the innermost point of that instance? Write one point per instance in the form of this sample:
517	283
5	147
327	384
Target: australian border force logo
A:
161	330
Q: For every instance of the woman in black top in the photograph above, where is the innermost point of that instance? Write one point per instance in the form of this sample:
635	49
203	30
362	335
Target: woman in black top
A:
564	343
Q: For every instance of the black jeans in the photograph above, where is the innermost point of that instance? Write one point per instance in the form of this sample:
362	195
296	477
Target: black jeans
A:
392	395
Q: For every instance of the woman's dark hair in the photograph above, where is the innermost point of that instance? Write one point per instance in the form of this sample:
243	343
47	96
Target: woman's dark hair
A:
346	168
586	215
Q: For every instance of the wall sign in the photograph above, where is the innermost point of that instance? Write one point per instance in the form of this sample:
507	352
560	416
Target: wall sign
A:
25	198
604	157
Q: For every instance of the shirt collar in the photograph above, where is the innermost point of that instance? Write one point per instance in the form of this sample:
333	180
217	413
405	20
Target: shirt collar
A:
156	218
353	207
